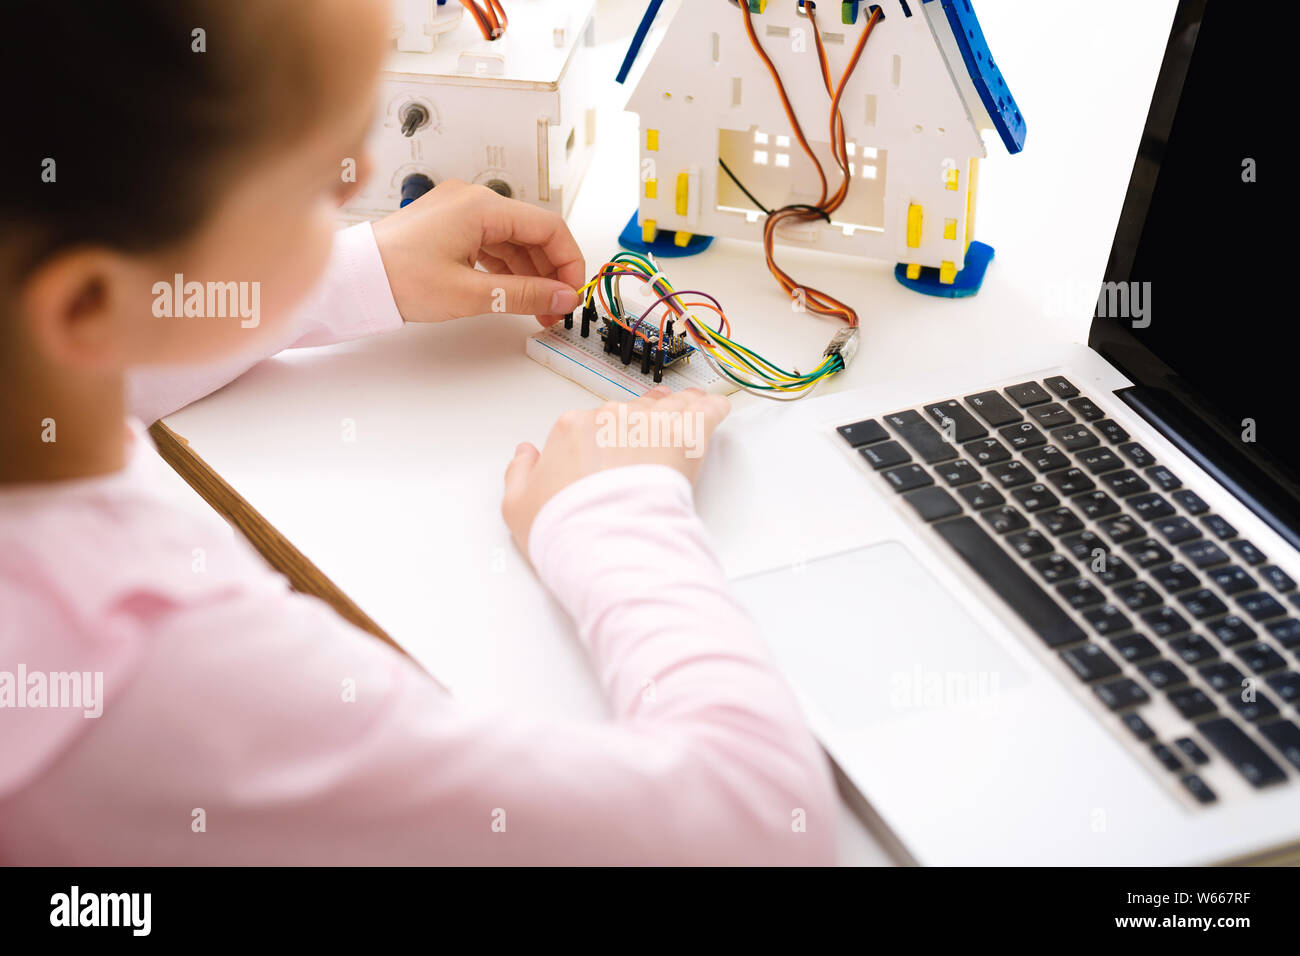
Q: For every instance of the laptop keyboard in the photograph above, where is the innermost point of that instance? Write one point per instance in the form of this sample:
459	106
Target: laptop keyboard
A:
1142	591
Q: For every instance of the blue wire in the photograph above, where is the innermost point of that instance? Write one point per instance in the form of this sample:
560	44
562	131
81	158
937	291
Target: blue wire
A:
638	38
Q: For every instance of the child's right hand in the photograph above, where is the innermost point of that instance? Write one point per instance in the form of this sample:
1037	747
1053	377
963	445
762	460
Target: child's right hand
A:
678	426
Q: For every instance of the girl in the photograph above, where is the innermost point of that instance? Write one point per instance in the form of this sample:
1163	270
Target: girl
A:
150	713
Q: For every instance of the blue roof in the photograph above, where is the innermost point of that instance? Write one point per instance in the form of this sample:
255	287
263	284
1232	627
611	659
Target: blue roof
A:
990	85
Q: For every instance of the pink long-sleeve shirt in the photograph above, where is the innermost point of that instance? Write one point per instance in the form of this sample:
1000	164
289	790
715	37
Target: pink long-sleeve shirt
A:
219	717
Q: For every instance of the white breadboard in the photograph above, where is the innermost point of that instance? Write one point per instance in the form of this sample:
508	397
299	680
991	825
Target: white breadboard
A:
584	361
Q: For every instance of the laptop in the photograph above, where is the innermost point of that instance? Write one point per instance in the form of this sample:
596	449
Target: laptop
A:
1045	611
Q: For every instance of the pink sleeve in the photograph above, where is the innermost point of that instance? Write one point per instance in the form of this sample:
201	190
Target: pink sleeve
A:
352	300
297	739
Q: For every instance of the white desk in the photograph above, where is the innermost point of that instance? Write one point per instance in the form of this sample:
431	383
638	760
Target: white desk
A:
405	518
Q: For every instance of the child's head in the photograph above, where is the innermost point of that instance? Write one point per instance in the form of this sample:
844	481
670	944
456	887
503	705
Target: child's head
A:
146	139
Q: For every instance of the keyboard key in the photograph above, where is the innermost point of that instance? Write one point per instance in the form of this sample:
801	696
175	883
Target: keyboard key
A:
1260	606
1167	757
1134	647
1232	579
1048	458
1029	544
993	408
1286	632
1021	436
1121	693
1261	658
1008	579
1261	707
1052	415
908	477
1138	455
1074	437
1231	630
1175	530
1054	568
1084	546
1162	674
1190	749
1060	386
1191	702
932	503
1285	737
1247	551
963	427
1165	621
1121	528
1090	662
1035	497
1106	619
1246	756
1010	474
1202	603
1072	481
1137	726
921	436
1138	596
1164	479
1150	506
885	455
1193	649
1004	520
1060	521
1190	502
1286	685
1080	594
1275	576
1219	527
1115	571
1175	577
1199	789
959	472
1027	393
986	451
981	496
1085	409
1222	677
1095	505
1148	553
1111	431
1099	460
1204	554
863	433
1125	483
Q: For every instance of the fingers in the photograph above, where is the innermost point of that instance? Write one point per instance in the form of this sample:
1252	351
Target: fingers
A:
523	295
508	220
520	467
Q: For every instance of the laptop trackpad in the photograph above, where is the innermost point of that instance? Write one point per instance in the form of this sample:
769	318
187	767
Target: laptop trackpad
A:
870	636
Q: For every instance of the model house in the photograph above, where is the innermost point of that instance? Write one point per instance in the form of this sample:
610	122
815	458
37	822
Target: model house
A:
914	108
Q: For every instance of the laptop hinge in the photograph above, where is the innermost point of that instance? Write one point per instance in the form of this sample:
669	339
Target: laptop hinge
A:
1263	493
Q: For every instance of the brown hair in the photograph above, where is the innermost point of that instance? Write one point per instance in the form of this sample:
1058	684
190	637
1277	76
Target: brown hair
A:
126	118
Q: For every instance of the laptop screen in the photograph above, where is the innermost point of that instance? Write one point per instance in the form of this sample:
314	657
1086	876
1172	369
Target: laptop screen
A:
1197	303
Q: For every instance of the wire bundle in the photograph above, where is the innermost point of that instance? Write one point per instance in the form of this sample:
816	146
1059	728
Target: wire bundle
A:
491	18
816	300
725	356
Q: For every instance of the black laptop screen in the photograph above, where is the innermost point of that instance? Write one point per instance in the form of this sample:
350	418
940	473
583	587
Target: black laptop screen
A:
1199	304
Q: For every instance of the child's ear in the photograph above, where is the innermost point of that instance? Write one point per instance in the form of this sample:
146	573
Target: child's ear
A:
75	307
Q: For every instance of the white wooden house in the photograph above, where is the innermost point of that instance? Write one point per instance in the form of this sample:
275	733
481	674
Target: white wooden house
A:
914	109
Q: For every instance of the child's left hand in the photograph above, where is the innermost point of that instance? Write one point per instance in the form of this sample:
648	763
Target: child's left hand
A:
430	248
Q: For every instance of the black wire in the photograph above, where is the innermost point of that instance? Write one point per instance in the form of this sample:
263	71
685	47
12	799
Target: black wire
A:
767	212
741	186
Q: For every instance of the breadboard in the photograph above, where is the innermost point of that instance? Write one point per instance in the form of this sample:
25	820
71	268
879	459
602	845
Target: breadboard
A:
584	361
